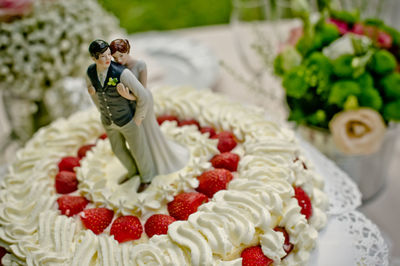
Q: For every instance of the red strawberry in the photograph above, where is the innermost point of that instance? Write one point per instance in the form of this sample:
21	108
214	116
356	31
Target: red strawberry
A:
97	219
66	182
158	224
126	228
188	123
253	256
84	149
287	246
71	205
103	136
185	204
226	160
162	118
3	252
226	141
210	130
212	181
226	134
304	202
68	163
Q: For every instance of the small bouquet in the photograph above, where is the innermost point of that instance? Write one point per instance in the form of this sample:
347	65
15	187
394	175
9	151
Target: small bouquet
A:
43	42
341	73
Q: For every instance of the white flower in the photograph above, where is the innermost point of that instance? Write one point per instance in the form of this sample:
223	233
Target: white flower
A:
345	45
358	131
38	51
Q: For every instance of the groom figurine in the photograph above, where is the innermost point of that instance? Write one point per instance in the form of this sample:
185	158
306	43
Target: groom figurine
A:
120	118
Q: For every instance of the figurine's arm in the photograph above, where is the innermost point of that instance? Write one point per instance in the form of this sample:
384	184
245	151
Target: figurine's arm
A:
125	92
142	100
92	92
143	75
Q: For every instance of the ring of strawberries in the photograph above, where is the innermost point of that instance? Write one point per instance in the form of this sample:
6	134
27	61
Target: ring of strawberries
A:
128	228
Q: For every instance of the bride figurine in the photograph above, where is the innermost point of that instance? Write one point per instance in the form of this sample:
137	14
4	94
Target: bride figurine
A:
167	156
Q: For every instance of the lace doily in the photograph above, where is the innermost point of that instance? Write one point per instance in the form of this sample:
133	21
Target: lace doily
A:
343	193
350	239
368	241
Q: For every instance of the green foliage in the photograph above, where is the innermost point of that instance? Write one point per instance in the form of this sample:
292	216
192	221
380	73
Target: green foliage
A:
374	22
300	8
323	35
350	17
295	82
328	32
382	62
322	4
140	15
353	72
391	86
341	90
320	69
319	61
286	60
391	111
365	81
304	45
342	66
317	118
297	115
351	103
370	97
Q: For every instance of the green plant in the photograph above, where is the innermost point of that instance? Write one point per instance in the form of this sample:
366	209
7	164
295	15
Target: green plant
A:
345	63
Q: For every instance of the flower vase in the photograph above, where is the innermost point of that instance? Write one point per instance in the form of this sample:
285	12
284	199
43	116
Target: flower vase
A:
370	171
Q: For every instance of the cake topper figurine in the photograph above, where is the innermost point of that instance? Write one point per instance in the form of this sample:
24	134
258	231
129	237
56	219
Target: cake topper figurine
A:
113	86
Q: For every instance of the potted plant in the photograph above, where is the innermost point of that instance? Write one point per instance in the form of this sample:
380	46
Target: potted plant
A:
342	83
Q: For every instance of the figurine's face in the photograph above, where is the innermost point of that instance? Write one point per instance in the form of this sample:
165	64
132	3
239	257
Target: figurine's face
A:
104	59
121	58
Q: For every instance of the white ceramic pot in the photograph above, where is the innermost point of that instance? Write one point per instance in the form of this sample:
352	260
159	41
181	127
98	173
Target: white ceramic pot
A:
368	171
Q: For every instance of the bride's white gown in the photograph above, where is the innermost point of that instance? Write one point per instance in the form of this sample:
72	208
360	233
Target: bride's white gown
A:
168	156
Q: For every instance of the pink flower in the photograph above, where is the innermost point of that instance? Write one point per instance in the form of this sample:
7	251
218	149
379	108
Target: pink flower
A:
381	38
384	40
342	26
14	8
358	28
295	35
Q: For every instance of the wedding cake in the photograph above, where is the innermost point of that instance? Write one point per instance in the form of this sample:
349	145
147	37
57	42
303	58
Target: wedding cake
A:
246	194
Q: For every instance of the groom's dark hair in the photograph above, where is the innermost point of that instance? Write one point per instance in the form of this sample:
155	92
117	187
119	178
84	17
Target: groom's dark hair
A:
98	47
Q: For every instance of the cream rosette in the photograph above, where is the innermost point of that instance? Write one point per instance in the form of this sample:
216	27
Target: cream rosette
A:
358	132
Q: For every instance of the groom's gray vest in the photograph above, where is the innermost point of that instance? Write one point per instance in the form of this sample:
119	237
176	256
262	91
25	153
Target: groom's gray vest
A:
113	107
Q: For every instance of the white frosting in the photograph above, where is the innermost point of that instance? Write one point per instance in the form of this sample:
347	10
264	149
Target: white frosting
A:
272	245
259	198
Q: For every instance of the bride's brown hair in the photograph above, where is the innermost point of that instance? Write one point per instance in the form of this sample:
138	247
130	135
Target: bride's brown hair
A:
120	45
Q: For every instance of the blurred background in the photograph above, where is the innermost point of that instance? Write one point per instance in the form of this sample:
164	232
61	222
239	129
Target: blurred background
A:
139	16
